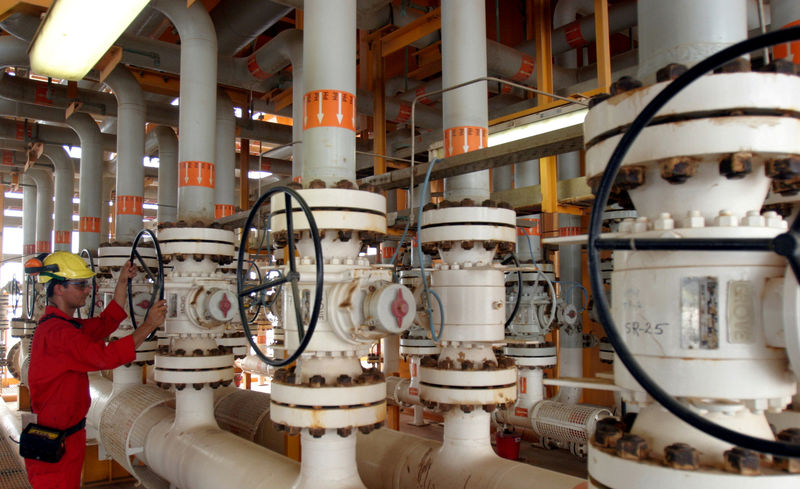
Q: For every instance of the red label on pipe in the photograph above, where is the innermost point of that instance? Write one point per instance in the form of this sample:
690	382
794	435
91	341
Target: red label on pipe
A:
569	231
526	68
423	100
89	225
196	174
781	51
329	108
413	391
29	249
521	412
43	247
255	70
224	210
458	140
8	157
40	95
63	237
573	35
403	114
530	231
24	131
130	205
387	251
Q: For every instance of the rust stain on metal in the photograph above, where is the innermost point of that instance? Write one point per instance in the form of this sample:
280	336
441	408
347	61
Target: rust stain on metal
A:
347	303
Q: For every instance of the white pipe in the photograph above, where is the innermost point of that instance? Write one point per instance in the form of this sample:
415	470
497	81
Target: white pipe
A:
64	175
533	392
502	178
389	459
328	462
105	209
254	365
130	153
28	215
90	183
225	184
329	54
397	390
686	31
198	94
10	428
167	173
44	208
464	59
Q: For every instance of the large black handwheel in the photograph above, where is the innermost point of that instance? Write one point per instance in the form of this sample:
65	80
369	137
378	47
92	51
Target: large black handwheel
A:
87	255
157	279
31	294
15	296
512	258
292	276
786	244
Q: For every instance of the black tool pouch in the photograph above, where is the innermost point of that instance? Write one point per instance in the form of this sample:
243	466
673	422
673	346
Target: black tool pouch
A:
45	444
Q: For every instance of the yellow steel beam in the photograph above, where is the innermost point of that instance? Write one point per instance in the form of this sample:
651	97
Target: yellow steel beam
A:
548	173
157	82
418	29
603	44
29	7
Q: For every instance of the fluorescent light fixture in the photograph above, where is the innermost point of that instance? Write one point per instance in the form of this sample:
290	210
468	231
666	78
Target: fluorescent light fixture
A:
12	212
256	175
538	127
75	34
13	195
150	206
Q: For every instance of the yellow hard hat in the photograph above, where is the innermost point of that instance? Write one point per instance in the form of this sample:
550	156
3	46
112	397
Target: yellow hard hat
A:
65	266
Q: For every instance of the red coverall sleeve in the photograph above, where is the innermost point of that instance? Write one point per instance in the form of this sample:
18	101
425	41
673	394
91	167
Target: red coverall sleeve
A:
100	327
82	354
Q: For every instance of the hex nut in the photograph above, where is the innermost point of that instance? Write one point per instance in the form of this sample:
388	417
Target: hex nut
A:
678	169
632	447
783	168
792	465
625	84
738	65
682	456
670	72
741	461
736	166
608	431
778	66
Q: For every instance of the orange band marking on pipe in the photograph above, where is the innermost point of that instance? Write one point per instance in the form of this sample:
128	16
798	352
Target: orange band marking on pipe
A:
329	108
29	249
533	230
523	385
526	68
458	140
8	157
40	95
573	35
43	247
63	237
782	50
24	132
255	70
89	224
196	174
129	205
224	210
424	100
387	251
569	231
403	114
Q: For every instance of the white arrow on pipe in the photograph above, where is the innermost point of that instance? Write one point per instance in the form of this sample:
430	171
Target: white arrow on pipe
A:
466	142
320	115
305	111
200	172
186	175
339	115
450	133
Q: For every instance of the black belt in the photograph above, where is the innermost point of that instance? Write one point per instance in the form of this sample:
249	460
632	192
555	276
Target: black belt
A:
76	428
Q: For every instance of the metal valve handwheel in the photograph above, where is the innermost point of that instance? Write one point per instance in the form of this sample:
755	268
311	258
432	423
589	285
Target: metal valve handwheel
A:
87	255
787	245
512	258
31	295
292	276
157	279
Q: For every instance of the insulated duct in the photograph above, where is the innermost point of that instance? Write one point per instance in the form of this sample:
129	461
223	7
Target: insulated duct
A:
65	188
29	214
44	208
239	22
167	173
224	184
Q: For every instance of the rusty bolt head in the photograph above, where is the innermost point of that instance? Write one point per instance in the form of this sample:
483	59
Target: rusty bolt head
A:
598	98
446	364
280	375
624	84
448	203
180	387
679	169
489	365
632	447
428	361
295	185
197	387
741	461
786	188
466	203
197	352
682	457
779	66
738	65
628	177
279	427
670	72
736	166
316	432
467	245
316	381
467	408
344	432
429	207
489	408
790	435
488	203
504	205
783	168
367	187
505	362
345	184
316	184
467	365
607	432
366	429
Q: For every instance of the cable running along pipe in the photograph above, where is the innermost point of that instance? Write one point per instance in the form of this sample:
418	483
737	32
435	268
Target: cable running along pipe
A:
785	244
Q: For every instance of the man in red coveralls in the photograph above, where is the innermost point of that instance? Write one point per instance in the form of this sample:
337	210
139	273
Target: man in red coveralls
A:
65	349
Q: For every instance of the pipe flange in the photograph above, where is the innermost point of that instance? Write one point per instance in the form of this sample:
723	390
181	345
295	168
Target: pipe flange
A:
112	258
200	370
365	211
361	417
469	224
197	242
468	388
327	397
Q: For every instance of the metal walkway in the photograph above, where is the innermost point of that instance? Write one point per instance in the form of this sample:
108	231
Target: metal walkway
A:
12	473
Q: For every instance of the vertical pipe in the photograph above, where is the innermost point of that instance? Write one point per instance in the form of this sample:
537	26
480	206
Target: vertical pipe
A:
686	31
28	215
571	272
466	118
90	184
44	208
130	152
197	122
167	174
502	178
105	208
65	188
328	460
225	156
329	54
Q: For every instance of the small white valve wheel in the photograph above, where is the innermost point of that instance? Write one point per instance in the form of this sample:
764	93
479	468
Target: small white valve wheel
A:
390	307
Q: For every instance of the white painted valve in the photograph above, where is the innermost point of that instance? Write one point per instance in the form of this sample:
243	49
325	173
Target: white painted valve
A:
390	308
211	307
